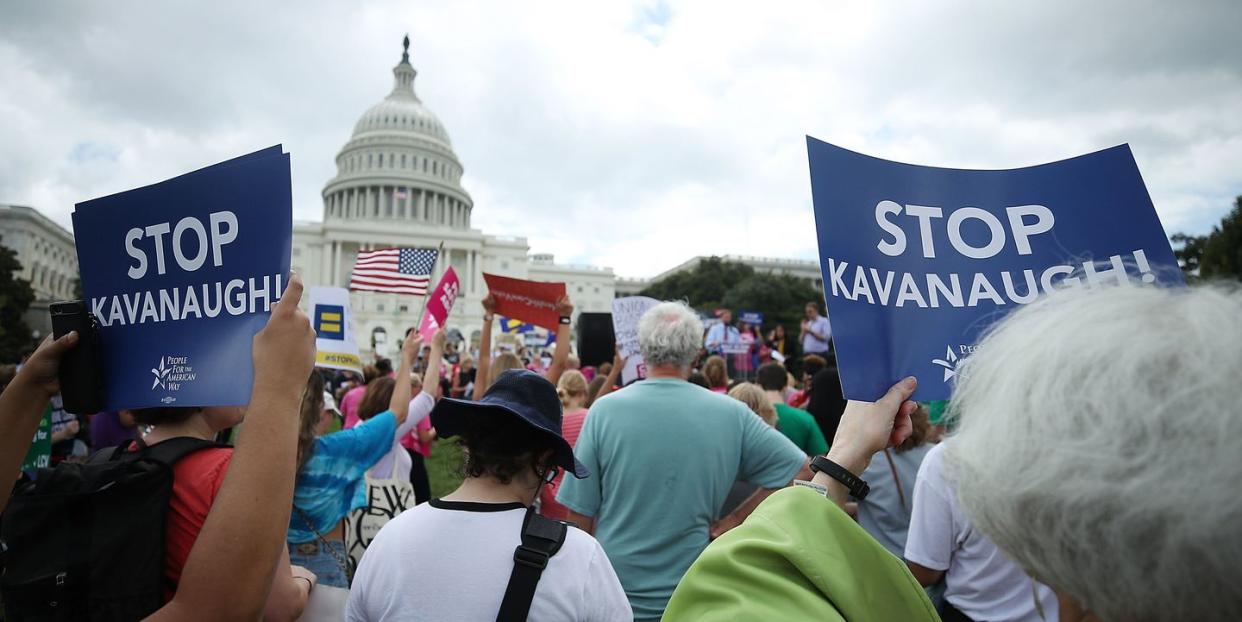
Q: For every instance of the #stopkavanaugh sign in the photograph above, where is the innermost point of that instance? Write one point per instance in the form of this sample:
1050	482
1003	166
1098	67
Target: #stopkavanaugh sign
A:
335	347
529	301
917	261
440	304
180	275
625	315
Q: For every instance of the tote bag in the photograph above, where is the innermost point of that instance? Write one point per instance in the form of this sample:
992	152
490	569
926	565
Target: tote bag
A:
386	498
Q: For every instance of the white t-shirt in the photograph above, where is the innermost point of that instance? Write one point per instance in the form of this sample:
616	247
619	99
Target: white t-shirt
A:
446	560
420	407
979	580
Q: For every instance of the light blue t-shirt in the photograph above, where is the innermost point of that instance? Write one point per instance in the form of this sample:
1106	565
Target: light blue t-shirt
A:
663	454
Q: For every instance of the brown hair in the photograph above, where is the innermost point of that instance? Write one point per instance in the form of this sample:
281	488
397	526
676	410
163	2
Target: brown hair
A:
311	413
716	371
377	397
501	446
572	384
593	389
921	422
753	397
369	373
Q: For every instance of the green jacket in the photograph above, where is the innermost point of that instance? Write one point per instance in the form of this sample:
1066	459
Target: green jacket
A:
799	557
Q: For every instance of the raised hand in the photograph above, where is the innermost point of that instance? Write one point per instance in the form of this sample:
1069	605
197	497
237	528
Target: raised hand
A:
411	346
564	307
39	371
489	304
284	351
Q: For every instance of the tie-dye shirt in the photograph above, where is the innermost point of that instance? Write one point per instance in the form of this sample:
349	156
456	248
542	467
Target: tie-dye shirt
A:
333	482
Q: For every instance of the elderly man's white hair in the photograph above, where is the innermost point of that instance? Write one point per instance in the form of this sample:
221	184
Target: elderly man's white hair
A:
670	333
1099	448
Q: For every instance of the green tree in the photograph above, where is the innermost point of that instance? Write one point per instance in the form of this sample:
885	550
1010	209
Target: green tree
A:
704	287
780	297
1189	251
15	298
1222	251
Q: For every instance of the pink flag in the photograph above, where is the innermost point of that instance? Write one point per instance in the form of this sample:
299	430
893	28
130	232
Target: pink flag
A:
440	304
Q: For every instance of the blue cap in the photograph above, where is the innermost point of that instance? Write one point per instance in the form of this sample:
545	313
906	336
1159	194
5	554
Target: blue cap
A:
520	393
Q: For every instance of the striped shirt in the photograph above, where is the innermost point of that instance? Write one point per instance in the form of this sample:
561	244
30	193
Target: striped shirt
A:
333	482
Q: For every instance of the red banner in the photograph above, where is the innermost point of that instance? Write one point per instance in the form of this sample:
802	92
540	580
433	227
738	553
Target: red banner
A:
440	304
529	301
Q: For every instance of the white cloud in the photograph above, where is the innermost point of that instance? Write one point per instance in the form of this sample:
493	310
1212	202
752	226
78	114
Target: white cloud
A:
629	135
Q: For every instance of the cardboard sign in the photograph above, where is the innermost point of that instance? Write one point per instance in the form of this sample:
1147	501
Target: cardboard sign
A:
625	315
335	346
529	301
180	276
440	304
919	261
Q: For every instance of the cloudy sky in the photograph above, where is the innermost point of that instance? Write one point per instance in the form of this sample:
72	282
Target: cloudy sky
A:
630	135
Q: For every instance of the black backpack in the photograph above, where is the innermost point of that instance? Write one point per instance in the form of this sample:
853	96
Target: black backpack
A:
86	541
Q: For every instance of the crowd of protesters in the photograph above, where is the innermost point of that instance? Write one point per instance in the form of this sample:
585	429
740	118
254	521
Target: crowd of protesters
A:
1070	484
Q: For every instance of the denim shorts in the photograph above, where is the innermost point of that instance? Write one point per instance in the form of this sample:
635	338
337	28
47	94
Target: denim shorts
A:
312	556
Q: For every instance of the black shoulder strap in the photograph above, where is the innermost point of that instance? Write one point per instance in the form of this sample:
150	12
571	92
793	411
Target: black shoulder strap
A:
174	449
542	537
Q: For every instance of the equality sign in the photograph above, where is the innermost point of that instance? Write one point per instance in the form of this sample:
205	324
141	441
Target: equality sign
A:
919	261
625	315
529	301
180	275
335	346
440	304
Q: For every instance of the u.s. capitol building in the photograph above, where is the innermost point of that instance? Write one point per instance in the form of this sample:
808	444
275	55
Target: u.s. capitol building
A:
398	184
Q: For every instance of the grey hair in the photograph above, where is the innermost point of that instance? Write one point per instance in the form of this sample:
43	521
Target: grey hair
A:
1098	448
670	333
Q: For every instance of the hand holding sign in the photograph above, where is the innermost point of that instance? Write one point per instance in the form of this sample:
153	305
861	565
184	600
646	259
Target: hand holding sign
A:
40	370
411	346
284	351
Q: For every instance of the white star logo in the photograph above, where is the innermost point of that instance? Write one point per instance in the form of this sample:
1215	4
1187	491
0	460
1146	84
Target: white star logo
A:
160	374
948	363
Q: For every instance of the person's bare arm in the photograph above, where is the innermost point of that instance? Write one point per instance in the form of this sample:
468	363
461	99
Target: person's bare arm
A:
564	333
865	428
229	572
291	589
618	364
399	403
924	575
24	400
484	365
584	522
435	358
735	518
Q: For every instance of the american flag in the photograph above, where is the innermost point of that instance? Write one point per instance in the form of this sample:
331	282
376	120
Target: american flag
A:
393	270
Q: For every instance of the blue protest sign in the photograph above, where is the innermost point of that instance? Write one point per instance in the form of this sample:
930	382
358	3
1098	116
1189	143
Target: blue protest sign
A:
180	276
917	261
750	317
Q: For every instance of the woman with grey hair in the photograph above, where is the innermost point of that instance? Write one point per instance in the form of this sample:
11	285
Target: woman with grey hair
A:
1092	426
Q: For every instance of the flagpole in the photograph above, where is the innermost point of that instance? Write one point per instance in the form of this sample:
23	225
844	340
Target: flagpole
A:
430	288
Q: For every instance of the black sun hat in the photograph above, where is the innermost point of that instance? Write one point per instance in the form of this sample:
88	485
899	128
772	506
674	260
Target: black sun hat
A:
522	394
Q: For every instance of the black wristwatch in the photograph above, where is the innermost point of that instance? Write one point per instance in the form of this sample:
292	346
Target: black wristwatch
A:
857	487
566	320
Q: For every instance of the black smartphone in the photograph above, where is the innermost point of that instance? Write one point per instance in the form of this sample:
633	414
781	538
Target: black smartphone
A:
81	377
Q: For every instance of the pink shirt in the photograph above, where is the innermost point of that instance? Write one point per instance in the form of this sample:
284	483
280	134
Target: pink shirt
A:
349	405
571	427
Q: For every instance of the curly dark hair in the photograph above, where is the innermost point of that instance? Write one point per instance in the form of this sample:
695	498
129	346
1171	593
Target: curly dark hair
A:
502	446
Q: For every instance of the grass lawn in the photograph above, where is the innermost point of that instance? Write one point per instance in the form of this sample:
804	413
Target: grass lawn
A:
444	467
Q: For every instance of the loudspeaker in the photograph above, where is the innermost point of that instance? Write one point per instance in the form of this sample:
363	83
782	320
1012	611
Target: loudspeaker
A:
596	341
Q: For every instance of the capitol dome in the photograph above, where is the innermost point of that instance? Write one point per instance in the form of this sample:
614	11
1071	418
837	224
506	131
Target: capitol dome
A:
399	164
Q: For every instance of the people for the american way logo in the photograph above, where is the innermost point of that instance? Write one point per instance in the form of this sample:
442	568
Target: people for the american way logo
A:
949	363
161	374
